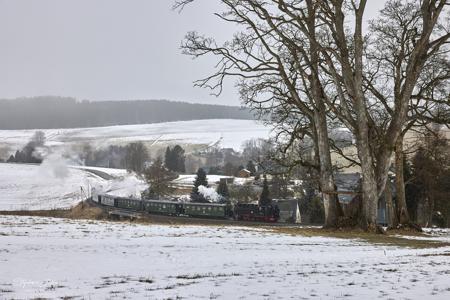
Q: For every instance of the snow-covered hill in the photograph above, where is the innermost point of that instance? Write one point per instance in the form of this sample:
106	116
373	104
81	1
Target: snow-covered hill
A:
56	185
229	133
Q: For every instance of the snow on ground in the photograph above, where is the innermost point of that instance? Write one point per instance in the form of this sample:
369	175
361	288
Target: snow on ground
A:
33	187
119	182
51	258
188	179
230	133
108	171
53	184
441	234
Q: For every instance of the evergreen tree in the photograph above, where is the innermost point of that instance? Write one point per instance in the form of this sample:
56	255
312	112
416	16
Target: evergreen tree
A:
174	159
168	162
251	167
178	159
427	192
200	179
264	198
222	189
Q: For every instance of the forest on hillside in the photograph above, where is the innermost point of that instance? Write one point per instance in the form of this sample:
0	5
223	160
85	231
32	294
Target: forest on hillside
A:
60	112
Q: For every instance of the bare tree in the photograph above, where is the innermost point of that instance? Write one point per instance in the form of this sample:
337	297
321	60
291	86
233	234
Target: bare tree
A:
278	68
366	92
136	157
158	179
394	36
300	56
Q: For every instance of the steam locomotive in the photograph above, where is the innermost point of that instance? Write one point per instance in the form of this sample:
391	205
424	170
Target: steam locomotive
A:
240	211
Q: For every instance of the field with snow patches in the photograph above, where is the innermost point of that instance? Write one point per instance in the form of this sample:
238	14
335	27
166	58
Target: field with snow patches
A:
53	184
230	134
52	258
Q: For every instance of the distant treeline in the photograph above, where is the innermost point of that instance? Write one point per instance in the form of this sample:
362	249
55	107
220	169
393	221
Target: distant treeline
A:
59	112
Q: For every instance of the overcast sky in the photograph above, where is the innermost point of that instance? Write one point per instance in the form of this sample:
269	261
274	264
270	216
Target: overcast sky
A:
108	49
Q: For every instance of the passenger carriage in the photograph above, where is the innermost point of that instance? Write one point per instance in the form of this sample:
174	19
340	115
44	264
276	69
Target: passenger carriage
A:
205	210
128	203
162	207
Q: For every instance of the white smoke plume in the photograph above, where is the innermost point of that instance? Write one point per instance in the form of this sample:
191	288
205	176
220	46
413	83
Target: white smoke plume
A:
54	165
209	193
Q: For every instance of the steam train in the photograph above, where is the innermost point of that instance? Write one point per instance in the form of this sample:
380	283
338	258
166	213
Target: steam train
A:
240	211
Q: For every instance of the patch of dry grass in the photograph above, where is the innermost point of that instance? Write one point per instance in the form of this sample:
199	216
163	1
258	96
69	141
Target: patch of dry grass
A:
83	210
436	254
388	239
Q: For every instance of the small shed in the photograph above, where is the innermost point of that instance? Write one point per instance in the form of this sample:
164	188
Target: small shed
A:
289	210
244	173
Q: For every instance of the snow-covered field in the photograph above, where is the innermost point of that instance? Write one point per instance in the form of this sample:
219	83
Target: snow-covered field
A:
188	179
53	184
230	134
52	258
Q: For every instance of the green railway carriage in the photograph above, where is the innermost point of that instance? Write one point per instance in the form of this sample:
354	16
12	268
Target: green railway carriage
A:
128	203
165	207
205	210
162	207
106	200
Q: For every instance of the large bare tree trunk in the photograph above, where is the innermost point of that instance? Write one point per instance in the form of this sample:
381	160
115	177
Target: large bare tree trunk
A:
326	172
370	195
391	215
402	209
320	119
353	78
369	182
